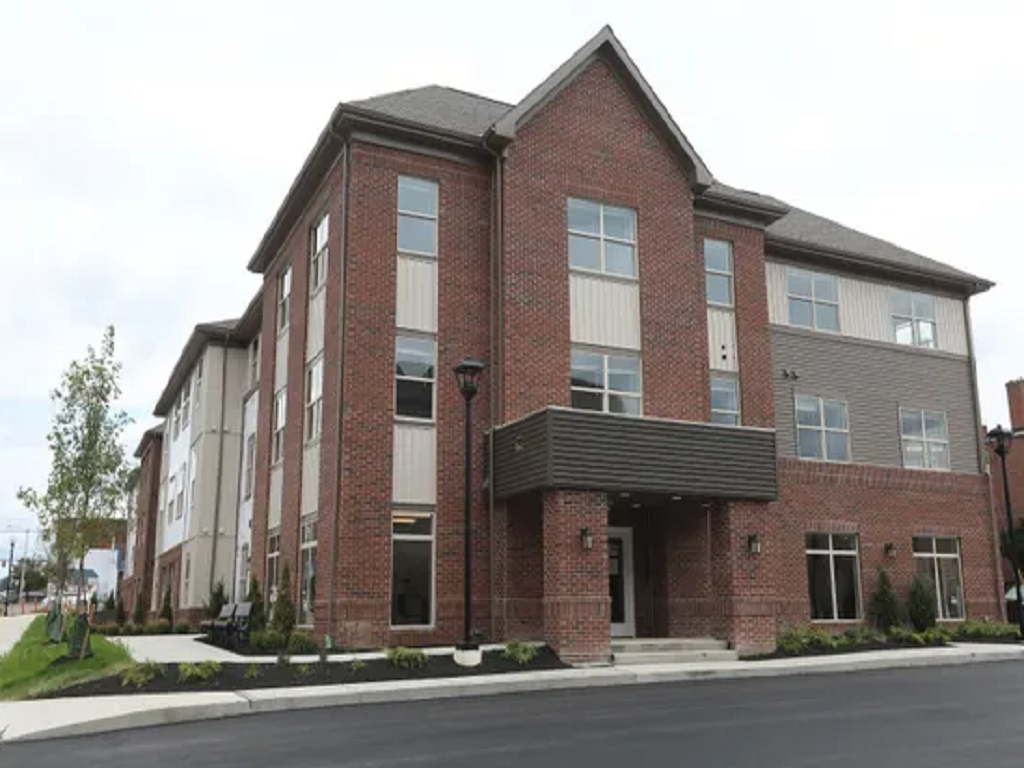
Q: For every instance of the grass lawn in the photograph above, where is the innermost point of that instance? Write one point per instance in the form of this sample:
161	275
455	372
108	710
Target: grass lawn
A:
28	669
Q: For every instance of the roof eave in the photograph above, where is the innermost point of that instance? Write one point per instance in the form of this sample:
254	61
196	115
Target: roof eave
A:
760	214
202	335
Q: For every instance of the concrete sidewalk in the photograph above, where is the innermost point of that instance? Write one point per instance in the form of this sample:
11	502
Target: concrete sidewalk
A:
33	720
11	630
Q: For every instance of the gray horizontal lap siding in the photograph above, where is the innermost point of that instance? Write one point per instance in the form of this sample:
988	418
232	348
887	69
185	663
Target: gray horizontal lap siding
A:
521	453
876	381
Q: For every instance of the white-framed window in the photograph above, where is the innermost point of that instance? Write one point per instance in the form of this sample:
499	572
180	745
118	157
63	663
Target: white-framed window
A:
250	465
280	412
913	319
602	238
197	397
813	300
254	361
273	562
192	482
725	399
937	558
925	438
307	565
415	372
188	578
284	291
718	272
605	382
833	576
176	416
412	569
186	402
823	429
170	499
314	398
417	216
318	253
243	574
179	508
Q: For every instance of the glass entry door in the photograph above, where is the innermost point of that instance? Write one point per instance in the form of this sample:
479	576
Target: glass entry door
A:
620	581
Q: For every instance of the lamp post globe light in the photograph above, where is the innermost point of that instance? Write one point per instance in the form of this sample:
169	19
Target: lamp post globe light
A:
1000	440
467	374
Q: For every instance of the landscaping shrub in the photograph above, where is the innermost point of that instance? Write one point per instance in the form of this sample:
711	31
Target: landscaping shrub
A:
283	619
301	643
267	641
119	615
161	627
132	629
406	658
218	599
166	611
112	630
141	674
252	671
108	604
202	672
985	630
884	606
304	670
357	664
258	617
858	636
139	614
183	628
921	605
521	653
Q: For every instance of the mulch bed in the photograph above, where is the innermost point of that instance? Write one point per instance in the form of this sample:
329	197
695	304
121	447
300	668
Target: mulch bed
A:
232	676
861	648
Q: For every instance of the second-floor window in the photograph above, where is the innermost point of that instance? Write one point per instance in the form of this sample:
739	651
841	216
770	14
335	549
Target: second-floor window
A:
417	216
823	430
602	238
284	290
314	398
250	465
718	272
254	362
280	410
913	319
318	253
414	377
813	299
186	402
725	399
605	382
925	439
197	397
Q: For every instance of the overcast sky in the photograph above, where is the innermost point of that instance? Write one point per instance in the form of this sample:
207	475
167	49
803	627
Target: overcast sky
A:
144	148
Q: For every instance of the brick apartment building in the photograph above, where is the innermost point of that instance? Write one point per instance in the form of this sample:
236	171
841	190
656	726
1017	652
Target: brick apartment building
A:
713	413
1015	474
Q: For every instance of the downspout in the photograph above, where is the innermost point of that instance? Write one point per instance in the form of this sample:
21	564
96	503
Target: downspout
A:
339	421
238	503
984	466
220	457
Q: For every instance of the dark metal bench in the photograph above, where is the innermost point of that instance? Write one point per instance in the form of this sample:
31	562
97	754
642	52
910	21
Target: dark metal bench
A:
218	628
238	628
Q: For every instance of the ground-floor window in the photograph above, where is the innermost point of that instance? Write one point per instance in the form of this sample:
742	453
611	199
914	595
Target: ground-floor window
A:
243	574
412	569
937	559
833	576
273	560
307	585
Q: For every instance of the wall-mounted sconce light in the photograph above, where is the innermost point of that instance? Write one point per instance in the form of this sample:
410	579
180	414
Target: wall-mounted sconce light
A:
889	549
586	538
754	544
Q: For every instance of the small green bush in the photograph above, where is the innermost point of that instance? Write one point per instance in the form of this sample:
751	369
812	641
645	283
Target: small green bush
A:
218	599
521	653
258	618
202	672
985	630
884	606
166	611
161	627
406	658
301	643
921	604
357	664
183	628
141	674
113	630
252	671
131	629
283	618
267	641
303	670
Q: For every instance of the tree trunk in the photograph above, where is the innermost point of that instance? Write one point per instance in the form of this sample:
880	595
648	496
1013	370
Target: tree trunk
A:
81	580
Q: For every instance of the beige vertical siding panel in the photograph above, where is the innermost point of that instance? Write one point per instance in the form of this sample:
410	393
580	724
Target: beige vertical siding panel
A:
315	325
414	479
952	325
775	276
416	304
603	312
722	355
310	478
276	488
281	361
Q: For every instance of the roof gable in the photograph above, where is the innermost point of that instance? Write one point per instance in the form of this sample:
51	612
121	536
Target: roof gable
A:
605	46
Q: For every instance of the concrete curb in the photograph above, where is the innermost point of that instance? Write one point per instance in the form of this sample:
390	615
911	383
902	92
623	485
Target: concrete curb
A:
55	718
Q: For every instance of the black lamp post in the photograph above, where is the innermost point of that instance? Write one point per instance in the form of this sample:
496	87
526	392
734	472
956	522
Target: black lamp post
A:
1000	440
10	574
467	373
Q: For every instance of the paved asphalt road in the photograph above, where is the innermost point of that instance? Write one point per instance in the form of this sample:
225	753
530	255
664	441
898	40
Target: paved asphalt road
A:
952	716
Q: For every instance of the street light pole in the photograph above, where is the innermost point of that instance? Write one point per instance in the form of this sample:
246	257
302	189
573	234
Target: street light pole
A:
10	574
467	373
999	439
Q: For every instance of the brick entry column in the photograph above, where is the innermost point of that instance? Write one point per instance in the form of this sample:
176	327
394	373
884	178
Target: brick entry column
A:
743	582
577	605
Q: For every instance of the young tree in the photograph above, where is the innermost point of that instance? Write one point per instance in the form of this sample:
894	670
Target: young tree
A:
884	607
87	460
258	617
283	618
166	610
218	599
139	614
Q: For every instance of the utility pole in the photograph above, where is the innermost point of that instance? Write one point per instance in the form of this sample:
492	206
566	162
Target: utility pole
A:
10	573
24	564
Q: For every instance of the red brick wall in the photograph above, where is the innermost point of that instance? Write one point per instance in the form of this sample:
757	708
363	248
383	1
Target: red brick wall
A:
522	611
591	141
147	511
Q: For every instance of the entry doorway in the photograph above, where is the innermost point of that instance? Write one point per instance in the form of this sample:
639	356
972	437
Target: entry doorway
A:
620	581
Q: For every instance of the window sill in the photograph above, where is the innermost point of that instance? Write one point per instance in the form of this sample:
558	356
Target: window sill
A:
418	254
837	621
313	441
826	461
413	628
414	421
282	331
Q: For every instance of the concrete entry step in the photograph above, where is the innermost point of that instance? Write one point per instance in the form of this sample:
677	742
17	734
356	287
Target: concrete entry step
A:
645	644
671	651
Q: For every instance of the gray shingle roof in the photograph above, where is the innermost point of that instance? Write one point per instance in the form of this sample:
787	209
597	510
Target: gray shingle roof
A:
438	107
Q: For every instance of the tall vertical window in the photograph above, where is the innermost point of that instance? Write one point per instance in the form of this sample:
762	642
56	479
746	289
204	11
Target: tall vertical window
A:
186	402
417	216
925	438
192	482
412	569
823	430
250	464
179	509
307	583
913	319
243	574
314	398
254	362
813	300
605	382
318	253
188	578
280	411
170	499
833	576
415	358
176	416
725	399
284	291
602	238
273	561
937	559
718	272
197	397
